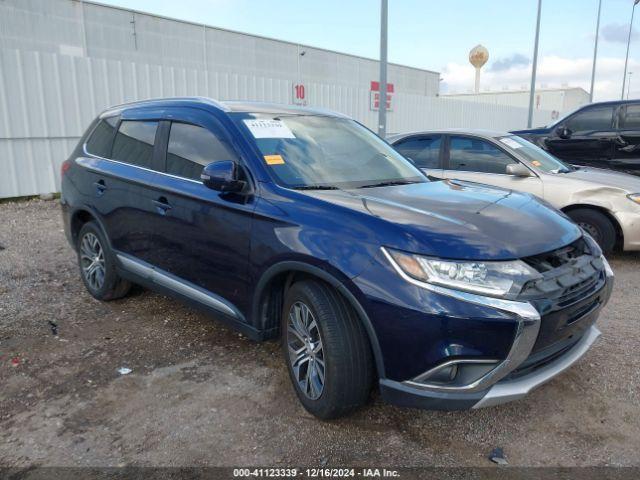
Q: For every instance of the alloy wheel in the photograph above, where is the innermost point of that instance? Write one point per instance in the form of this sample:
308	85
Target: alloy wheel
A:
92	261
305	350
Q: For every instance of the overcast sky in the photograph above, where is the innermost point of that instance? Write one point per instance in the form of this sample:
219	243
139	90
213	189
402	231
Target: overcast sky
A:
438	34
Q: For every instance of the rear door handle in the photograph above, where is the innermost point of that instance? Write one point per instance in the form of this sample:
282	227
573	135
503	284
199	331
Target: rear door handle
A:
162	205
100	187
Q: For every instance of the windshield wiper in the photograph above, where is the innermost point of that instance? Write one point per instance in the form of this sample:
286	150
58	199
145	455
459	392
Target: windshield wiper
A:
315	187
390	183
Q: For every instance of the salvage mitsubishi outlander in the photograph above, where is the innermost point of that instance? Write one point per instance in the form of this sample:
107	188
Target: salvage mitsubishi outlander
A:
303	225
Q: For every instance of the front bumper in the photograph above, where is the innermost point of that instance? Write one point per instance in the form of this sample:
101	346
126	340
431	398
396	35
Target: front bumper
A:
399	393
516	375
509	390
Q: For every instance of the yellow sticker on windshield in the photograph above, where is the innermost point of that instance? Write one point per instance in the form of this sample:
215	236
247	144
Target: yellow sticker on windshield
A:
535	163
274	159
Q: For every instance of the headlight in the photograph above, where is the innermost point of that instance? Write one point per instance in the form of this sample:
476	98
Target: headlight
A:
594	248
634	197
497	279
607	267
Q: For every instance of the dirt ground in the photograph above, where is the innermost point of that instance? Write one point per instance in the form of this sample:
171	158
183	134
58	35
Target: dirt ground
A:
200	394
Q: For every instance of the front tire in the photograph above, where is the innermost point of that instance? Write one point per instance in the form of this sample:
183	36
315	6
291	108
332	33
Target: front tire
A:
327	350
97	265
597	225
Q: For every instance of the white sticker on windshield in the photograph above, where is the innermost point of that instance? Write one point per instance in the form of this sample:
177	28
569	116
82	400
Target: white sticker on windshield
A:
268	129
510	142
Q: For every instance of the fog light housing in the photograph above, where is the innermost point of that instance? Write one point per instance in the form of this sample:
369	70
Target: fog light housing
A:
444	375
457	373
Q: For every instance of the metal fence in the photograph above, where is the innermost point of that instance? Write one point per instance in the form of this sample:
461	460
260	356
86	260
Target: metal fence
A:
47	100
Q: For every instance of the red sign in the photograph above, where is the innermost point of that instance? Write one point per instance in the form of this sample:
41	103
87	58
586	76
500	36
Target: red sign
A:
375	87
299	94
375	95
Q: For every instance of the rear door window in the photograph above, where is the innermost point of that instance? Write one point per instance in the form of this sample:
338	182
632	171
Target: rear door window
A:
134	143
631	118
470	154
100	140
192	147
424	151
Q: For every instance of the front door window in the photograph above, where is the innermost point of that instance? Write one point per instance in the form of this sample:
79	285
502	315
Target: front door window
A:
469	154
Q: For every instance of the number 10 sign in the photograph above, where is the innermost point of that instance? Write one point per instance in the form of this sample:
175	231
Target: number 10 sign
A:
299	95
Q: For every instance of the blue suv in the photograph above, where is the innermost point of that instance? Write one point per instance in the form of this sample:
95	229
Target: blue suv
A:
303	225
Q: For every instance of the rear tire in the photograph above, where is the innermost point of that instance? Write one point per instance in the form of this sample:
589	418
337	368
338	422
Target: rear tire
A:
97	265
327	350
597	225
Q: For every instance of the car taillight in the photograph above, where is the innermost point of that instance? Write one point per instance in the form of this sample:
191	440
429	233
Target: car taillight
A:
66	165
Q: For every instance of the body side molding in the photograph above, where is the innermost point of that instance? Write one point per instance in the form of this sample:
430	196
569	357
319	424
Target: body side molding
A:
178	285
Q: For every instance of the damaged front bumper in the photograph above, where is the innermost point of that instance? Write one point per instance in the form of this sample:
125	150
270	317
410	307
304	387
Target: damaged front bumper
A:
515	376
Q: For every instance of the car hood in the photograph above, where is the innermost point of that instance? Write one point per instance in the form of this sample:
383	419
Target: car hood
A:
460	220
605	178
532	131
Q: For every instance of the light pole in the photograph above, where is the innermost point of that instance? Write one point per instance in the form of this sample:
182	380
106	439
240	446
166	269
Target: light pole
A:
626	60
532	92
629	85
382	108
595	53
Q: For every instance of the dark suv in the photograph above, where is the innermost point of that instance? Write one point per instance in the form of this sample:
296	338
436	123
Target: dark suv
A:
304	225
604	135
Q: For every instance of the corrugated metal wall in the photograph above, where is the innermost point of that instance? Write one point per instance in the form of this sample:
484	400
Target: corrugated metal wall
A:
47	100
72	27
64	61
561	100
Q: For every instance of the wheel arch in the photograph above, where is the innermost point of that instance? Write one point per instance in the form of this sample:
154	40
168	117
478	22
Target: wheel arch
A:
269	296
81	216
607	213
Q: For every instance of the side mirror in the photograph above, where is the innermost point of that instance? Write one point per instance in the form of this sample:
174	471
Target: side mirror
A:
518	170
563	132
222	176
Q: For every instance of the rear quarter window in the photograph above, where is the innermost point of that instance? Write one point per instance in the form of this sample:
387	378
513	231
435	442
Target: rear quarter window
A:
100	140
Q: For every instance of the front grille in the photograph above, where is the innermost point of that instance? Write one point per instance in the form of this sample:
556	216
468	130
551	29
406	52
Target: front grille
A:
567	295
544	357
569	274
577	291
548	261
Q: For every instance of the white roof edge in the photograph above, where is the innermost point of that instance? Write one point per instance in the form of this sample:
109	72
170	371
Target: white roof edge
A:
493	92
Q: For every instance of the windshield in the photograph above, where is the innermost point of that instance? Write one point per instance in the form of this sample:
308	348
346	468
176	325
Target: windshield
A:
536	156
315	152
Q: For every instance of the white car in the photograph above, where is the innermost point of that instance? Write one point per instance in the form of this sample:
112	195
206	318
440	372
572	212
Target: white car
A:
605	203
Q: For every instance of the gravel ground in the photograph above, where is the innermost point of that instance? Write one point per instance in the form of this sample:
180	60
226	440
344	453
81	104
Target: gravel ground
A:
200	394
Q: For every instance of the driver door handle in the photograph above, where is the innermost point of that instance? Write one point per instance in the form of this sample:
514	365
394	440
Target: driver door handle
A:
100	187
620	142
162	205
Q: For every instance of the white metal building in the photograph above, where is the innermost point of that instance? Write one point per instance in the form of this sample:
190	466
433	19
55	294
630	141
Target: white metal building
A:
559	101
87	29
64	61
